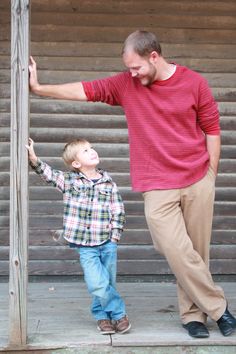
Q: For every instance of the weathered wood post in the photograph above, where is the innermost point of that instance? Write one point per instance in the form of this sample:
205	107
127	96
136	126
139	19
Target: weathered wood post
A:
19	173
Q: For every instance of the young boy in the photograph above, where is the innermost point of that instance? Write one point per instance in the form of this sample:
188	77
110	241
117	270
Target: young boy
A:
92	224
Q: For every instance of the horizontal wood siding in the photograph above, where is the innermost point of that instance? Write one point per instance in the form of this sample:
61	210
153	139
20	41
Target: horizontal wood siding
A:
81	40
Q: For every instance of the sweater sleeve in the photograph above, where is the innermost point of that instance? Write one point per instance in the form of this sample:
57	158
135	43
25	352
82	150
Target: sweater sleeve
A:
208	113
110	90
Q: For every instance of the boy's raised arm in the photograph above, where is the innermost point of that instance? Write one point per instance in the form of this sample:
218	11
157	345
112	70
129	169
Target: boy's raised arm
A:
46	172
69	91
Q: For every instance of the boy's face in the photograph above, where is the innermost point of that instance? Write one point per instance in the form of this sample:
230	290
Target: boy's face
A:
86	157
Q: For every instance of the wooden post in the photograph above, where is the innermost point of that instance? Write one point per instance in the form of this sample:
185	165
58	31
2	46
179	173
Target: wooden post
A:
18	281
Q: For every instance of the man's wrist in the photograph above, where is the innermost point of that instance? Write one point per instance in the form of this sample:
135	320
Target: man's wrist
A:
35	88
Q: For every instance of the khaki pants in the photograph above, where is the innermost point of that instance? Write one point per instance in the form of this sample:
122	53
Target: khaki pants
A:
180	222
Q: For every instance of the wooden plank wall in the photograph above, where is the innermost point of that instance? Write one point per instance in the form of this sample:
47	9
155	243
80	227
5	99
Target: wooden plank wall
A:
76	40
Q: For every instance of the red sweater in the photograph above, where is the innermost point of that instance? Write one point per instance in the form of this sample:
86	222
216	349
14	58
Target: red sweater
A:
167	123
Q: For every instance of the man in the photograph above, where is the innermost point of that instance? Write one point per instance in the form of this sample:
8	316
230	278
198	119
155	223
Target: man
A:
174	138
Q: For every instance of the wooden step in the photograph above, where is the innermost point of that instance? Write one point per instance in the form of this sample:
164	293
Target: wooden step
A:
63	33
122	179
114	20
125	252
130	236
48	222
41	207
104	149
114	164
157	6
81	49
125	267
53	77
221	94
43	105
49	193
114	64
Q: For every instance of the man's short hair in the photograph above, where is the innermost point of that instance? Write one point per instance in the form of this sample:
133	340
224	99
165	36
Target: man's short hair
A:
142	43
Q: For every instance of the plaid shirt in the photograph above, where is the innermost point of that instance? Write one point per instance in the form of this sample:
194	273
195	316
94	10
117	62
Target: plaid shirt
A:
93	211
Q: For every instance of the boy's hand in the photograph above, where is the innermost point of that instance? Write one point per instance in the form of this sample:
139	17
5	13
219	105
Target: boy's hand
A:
33	79
32	156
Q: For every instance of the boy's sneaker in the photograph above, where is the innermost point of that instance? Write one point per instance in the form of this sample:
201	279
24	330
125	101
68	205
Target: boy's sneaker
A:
123	325
105	327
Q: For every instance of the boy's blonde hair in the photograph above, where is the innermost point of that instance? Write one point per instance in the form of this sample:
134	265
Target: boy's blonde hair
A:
70	151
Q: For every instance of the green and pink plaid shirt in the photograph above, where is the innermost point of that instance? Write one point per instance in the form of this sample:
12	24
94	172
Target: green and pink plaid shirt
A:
93	211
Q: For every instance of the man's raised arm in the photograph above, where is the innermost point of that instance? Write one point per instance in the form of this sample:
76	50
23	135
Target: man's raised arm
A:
70	91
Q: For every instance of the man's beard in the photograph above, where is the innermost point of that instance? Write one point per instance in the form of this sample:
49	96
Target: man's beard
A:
150	78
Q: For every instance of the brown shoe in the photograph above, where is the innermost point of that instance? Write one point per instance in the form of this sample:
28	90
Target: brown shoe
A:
123	325
105	327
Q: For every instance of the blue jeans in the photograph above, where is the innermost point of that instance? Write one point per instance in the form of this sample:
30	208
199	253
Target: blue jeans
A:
99	266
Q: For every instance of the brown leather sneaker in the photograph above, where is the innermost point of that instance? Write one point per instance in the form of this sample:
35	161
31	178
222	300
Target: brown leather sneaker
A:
105	327
123	325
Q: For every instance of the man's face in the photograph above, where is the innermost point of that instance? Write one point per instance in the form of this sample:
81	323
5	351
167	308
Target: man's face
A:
140	67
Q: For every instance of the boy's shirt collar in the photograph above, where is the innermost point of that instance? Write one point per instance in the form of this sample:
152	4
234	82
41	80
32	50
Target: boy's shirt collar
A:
105	176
